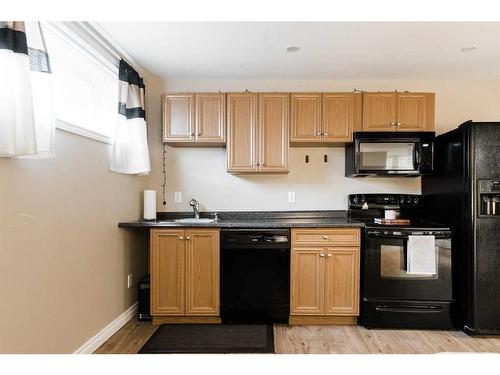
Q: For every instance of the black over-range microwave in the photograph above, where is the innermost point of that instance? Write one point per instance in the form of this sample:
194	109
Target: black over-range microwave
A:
390	154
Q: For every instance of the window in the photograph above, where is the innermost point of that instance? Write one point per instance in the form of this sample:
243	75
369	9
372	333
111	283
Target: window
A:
84	82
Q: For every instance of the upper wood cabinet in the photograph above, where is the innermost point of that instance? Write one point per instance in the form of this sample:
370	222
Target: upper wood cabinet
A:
184	268
242	132
337	117
324	118
325	272
194	119
273	143
398	111
305	124
257	132
178	117
210	118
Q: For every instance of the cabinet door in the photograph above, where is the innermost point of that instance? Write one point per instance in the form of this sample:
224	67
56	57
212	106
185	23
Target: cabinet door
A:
342	281
414	112
337	117
273	142
210	116
379	111
178	115
167	262
305	118
202	272
242	132
307	281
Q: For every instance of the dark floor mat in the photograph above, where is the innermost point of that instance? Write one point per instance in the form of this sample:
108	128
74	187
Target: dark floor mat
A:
211	338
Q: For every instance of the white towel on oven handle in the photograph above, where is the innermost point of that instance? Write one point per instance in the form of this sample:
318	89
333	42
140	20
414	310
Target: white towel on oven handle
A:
421	255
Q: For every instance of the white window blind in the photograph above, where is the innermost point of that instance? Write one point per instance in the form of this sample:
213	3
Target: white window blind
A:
84	83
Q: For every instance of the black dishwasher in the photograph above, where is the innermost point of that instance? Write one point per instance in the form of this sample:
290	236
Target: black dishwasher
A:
255	275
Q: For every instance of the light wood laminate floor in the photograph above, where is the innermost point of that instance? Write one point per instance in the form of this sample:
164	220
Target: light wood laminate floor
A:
330	339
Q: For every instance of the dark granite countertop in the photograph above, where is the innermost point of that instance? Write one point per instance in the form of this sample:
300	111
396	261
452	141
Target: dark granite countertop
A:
252	219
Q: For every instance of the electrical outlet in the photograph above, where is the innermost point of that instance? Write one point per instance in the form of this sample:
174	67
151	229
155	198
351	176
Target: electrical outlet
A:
291	197
178	197
130	279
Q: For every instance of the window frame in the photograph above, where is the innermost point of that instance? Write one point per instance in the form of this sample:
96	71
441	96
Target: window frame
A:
88	39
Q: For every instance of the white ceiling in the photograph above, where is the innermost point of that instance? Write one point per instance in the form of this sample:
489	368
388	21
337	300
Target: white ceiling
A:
329	50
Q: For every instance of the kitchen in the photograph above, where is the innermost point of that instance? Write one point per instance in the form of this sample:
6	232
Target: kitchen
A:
308	176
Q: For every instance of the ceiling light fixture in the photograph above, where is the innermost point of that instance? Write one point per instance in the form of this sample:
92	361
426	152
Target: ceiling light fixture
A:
293	49
469	49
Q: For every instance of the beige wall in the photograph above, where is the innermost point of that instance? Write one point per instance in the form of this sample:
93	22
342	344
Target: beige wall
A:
63	261
201	173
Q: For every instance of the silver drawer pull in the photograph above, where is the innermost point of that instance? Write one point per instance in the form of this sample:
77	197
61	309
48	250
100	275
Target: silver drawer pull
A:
180	238
325	237
321	255
188	238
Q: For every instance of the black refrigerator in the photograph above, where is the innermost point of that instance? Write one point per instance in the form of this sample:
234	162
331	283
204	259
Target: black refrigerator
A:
464	193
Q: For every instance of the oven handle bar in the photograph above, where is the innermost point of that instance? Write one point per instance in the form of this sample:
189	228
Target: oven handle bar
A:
410	309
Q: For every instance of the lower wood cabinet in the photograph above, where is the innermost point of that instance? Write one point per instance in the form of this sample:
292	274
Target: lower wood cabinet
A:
184	268
325	278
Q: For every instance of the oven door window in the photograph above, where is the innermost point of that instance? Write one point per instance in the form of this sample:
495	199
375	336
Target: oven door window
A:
385	274
393	263
386	156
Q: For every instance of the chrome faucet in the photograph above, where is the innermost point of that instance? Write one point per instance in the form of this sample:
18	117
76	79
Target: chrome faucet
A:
196	207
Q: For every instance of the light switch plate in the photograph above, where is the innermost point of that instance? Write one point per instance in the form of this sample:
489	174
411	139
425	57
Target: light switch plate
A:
291	197
178	197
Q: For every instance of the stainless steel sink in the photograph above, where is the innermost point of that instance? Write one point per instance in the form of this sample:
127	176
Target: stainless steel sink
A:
192	220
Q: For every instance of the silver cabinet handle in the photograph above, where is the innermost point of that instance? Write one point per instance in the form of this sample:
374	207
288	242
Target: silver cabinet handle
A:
325	237
198	134
392	124
321	255
180	238
318	134
398	123
188	238
325	134
329	255
192	134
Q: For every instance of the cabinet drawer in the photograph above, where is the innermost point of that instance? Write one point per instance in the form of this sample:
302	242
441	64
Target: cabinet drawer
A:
325	236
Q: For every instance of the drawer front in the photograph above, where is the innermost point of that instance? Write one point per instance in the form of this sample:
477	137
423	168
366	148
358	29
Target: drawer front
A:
326	237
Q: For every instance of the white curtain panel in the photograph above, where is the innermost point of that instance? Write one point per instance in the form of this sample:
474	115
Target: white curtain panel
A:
130	153
26	114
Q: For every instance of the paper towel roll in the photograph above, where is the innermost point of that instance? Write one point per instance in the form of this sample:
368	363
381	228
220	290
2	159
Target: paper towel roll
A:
149	205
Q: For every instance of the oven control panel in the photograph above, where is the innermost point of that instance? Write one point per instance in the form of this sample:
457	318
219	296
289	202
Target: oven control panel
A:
383	200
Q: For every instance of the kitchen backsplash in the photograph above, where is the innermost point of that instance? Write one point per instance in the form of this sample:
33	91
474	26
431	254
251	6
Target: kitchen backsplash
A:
201	174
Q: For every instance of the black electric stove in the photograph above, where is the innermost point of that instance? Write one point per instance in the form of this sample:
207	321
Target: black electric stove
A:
391	296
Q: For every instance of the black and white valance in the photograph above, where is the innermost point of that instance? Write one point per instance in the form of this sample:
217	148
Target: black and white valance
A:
130	146
26	114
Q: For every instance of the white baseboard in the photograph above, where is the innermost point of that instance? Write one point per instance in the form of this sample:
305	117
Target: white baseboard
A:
91	345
